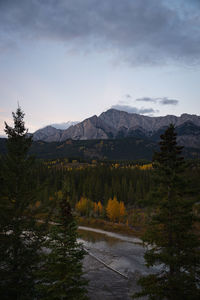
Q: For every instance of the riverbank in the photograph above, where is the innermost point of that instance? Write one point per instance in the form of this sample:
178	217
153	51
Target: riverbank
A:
134	231
120	228
113	264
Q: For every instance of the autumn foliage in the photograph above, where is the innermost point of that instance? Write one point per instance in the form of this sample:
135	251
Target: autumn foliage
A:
84	206
98	208
115	210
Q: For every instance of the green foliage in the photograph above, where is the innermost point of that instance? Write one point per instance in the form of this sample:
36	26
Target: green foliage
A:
172	243
100	183
20	236
61	272
25	189
123	149
131	183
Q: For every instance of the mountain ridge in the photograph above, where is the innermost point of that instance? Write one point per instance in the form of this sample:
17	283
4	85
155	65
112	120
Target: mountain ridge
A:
113	124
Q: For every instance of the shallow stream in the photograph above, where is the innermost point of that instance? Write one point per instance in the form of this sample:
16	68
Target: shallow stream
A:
119	252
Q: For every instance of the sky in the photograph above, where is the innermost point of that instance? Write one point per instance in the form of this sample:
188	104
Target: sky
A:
71	59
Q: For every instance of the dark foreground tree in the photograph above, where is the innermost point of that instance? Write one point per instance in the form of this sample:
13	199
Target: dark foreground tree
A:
20	236
61	275
170	237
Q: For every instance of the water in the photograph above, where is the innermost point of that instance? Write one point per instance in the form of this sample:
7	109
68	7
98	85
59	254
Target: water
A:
122	253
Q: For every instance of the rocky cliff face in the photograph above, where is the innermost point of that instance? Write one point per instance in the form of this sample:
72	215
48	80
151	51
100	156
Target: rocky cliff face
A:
47	134
89	129
118	124
120	119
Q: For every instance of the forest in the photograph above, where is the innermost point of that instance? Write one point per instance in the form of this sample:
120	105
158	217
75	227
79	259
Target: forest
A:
44	201
131	183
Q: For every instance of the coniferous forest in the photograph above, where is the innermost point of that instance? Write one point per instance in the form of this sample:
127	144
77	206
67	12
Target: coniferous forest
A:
44	201
99	150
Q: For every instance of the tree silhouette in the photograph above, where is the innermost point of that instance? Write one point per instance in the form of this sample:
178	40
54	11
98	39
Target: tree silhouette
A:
20	236
61	275
170	236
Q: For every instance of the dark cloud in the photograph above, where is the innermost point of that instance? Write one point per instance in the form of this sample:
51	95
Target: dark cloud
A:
166	101
131	109
163	101
139	31
147	99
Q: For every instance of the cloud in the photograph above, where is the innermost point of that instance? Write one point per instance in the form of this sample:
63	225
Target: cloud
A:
131	109
138	32
126	100
162	101
147	99
166	101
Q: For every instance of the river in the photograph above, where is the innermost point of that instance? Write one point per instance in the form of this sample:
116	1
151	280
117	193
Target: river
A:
109	253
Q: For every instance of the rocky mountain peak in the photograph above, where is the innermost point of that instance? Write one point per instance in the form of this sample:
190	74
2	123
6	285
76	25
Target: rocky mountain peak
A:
114	124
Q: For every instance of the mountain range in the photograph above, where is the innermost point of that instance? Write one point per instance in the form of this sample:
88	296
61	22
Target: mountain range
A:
115	124
114	135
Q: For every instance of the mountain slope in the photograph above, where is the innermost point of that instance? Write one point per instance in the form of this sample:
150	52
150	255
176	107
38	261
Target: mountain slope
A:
48	134
120	119
109	149
91	128
119	124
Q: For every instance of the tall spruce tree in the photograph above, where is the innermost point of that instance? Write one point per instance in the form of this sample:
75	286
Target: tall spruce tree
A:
170	237
20	236
61	275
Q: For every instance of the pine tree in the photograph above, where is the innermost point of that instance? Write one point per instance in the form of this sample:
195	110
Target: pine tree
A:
170	236
20	236
61	275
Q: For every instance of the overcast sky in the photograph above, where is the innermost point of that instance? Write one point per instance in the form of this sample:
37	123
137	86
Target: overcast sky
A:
70	59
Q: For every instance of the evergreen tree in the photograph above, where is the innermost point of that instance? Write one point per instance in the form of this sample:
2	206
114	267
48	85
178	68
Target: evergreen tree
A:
20	236
172	243
61	273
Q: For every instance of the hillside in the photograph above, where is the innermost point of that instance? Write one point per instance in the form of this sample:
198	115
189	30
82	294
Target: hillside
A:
112	149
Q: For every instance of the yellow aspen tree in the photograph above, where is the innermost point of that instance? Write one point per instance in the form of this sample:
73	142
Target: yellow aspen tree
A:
85	206
112	209
122	210
116	209
81	206
146	167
